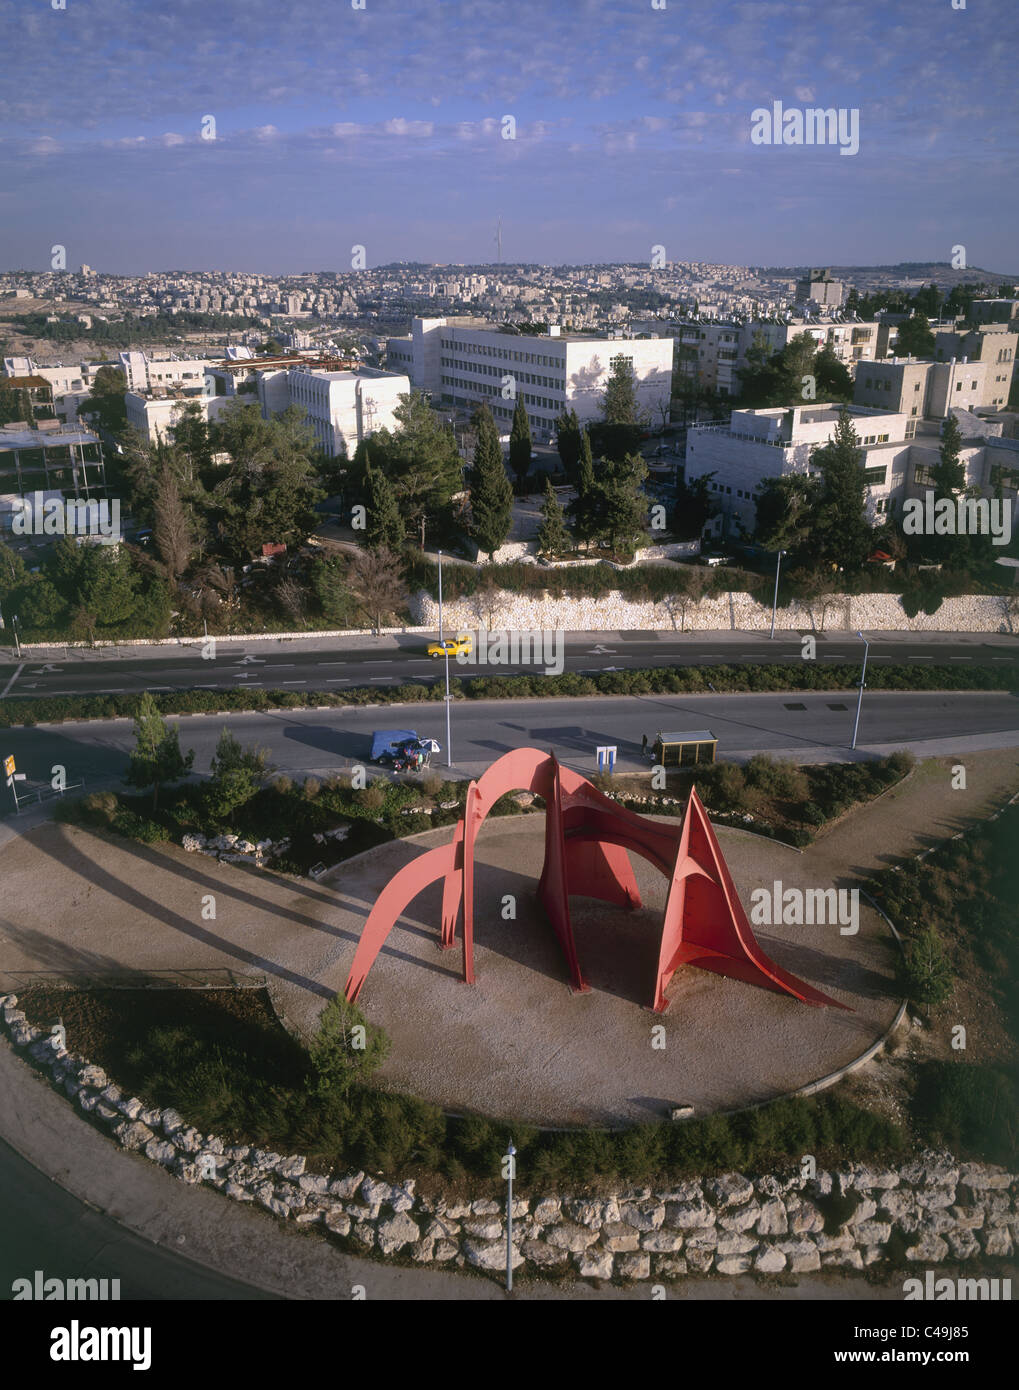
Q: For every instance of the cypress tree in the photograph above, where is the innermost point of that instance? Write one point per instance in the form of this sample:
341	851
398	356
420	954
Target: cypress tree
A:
520	443
491	493
553	537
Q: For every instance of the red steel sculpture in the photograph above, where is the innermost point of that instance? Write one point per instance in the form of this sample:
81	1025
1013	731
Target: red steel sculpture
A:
587	837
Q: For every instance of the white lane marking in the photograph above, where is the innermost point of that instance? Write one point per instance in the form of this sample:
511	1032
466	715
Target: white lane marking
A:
295	682
13	678
960	658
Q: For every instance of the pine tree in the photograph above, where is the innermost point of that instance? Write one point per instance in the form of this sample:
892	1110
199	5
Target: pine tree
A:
156	757
622	502
619	404
520	443
949	473
568	443
553	537
842	534
384	526
585	509
491	493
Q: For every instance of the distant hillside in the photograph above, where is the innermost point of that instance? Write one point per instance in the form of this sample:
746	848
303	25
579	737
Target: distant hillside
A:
940	272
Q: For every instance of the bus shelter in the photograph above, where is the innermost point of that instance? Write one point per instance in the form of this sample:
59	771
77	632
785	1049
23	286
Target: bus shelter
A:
685	749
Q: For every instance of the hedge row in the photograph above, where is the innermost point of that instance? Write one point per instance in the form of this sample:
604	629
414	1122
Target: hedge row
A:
662	680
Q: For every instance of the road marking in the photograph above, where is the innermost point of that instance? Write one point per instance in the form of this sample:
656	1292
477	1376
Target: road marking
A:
920	658
119	690
13	678
337	680
960	658
1002	658
282	666
295	682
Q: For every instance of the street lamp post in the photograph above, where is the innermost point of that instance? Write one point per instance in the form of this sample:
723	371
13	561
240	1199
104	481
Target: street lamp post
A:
863	683
511	1155
774	602
449	737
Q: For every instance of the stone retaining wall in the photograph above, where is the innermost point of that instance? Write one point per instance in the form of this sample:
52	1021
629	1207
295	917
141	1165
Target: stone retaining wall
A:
735	612
943	1210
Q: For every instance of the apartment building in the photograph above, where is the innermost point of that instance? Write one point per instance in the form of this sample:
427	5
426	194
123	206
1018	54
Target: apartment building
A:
343	407
466	361
714	353
920	388
819	288
897	461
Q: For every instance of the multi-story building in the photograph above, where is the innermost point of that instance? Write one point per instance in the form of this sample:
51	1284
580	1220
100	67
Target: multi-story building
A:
919	388
343	408
819	288
760	444
466	361
897	460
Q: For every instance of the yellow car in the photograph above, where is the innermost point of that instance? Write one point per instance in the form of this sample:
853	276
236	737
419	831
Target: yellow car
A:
452	646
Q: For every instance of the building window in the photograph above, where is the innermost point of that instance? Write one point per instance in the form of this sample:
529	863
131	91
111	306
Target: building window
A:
875	476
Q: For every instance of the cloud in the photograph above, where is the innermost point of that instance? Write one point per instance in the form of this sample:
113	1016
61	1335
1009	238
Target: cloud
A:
398	126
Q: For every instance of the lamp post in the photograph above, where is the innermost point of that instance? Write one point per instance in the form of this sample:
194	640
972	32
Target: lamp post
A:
774	602
449	737
863	683
510	1169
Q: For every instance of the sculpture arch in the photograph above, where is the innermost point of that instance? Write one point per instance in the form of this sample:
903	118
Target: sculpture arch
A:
588	839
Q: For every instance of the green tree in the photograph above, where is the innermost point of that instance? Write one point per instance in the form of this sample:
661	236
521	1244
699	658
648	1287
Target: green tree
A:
384	524
156	759
949	473
237	774
915	338
269	487
568	442
584	510
520	447
106	401
623	502
786	512
421	461
553	537
331	587
345	1050
925	972
694	507
491	493
842	534
619	403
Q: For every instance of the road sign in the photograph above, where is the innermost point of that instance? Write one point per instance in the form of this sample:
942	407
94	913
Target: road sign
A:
9	765
607	758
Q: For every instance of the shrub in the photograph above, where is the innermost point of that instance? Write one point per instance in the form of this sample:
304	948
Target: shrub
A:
783	779
373	798
968	1107
347	1048
812	814
100	807
283	784
924	970
312	787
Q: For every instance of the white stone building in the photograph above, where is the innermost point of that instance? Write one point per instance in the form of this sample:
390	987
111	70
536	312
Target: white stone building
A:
465	361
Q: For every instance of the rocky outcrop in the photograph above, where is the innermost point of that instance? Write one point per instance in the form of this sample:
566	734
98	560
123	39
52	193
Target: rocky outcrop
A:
932	1209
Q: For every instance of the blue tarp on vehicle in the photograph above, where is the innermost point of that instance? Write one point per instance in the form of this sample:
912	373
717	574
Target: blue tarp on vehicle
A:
389	740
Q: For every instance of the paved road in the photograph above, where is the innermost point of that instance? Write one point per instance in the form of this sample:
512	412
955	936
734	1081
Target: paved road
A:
48	1229
339	663
808	727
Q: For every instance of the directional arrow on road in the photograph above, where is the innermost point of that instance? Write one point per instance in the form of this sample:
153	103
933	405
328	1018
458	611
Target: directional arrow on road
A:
44	670
250	660
600	650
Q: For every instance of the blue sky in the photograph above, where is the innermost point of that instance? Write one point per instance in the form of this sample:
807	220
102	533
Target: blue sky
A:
382	127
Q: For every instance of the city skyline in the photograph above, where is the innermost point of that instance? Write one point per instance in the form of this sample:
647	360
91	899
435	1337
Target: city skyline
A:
384	128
